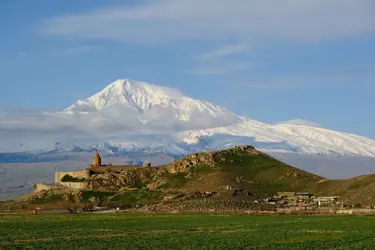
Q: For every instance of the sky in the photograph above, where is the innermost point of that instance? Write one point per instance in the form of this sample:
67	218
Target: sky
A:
309	61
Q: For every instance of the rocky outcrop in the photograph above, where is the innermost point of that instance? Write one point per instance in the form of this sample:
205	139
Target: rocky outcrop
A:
124	178
186	163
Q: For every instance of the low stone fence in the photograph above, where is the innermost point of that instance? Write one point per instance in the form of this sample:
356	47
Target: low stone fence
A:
74	185
363	211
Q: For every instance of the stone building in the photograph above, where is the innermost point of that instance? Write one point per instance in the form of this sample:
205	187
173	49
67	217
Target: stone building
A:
77	179
96	167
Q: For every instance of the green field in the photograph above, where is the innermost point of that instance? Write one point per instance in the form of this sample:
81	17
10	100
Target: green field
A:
185	231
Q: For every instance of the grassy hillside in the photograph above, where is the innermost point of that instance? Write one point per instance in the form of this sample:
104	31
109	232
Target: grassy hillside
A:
241	168
244	168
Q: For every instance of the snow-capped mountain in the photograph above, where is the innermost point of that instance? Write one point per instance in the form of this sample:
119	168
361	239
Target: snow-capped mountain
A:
131	116
144	97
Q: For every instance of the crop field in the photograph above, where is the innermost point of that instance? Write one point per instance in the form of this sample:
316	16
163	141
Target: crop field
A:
185	231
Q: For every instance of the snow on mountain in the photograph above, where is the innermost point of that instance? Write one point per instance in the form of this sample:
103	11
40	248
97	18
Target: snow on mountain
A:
144	97
136	116
290	138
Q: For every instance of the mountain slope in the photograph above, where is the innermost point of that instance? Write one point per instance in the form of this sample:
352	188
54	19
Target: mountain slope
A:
290	138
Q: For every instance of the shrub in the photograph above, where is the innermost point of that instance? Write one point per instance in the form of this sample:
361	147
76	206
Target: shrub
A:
357	205
69	178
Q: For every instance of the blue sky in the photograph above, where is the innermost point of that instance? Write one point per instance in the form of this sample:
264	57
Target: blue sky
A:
268	60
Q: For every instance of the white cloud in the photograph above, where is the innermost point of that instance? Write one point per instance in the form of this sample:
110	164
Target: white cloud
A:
239	20
219	61
223	52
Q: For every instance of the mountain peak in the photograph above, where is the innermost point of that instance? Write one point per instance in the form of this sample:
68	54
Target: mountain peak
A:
128	87
142	97
126	92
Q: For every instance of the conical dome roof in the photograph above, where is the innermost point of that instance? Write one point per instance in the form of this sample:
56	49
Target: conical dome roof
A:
97	160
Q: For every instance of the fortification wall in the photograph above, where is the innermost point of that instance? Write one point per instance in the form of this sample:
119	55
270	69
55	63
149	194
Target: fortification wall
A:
38	187
74	185
75	174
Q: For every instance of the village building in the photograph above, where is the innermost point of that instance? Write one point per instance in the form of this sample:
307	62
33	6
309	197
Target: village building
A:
326	200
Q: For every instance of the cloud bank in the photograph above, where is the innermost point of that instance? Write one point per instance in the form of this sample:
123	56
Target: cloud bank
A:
29	130
240	20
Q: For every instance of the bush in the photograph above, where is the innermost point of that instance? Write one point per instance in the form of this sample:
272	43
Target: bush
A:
357	205
69	178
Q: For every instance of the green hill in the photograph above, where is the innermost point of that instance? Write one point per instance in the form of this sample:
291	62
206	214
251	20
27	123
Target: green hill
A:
236	176
241	168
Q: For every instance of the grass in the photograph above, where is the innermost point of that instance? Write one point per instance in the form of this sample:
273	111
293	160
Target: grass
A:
259	172
69	178
174	180
185	231
47	199
86	195
132	198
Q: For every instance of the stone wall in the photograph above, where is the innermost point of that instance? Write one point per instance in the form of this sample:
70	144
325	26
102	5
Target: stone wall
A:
75	174
75	185
38	187
363	211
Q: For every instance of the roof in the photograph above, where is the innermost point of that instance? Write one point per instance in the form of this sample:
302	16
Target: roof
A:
114	168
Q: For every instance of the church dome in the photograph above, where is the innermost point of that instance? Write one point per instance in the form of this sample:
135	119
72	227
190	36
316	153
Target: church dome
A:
97	160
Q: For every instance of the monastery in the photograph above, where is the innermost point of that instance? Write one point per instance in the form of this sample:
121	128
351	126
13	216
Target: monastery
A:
75	179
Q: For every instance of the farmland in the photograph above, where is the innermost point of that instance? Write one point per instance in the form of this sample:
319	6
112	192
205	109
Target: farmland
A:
185	231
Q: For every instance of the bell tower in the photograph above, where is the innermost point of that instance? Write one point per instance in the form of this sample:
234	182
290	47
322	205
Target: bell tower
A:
96	160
